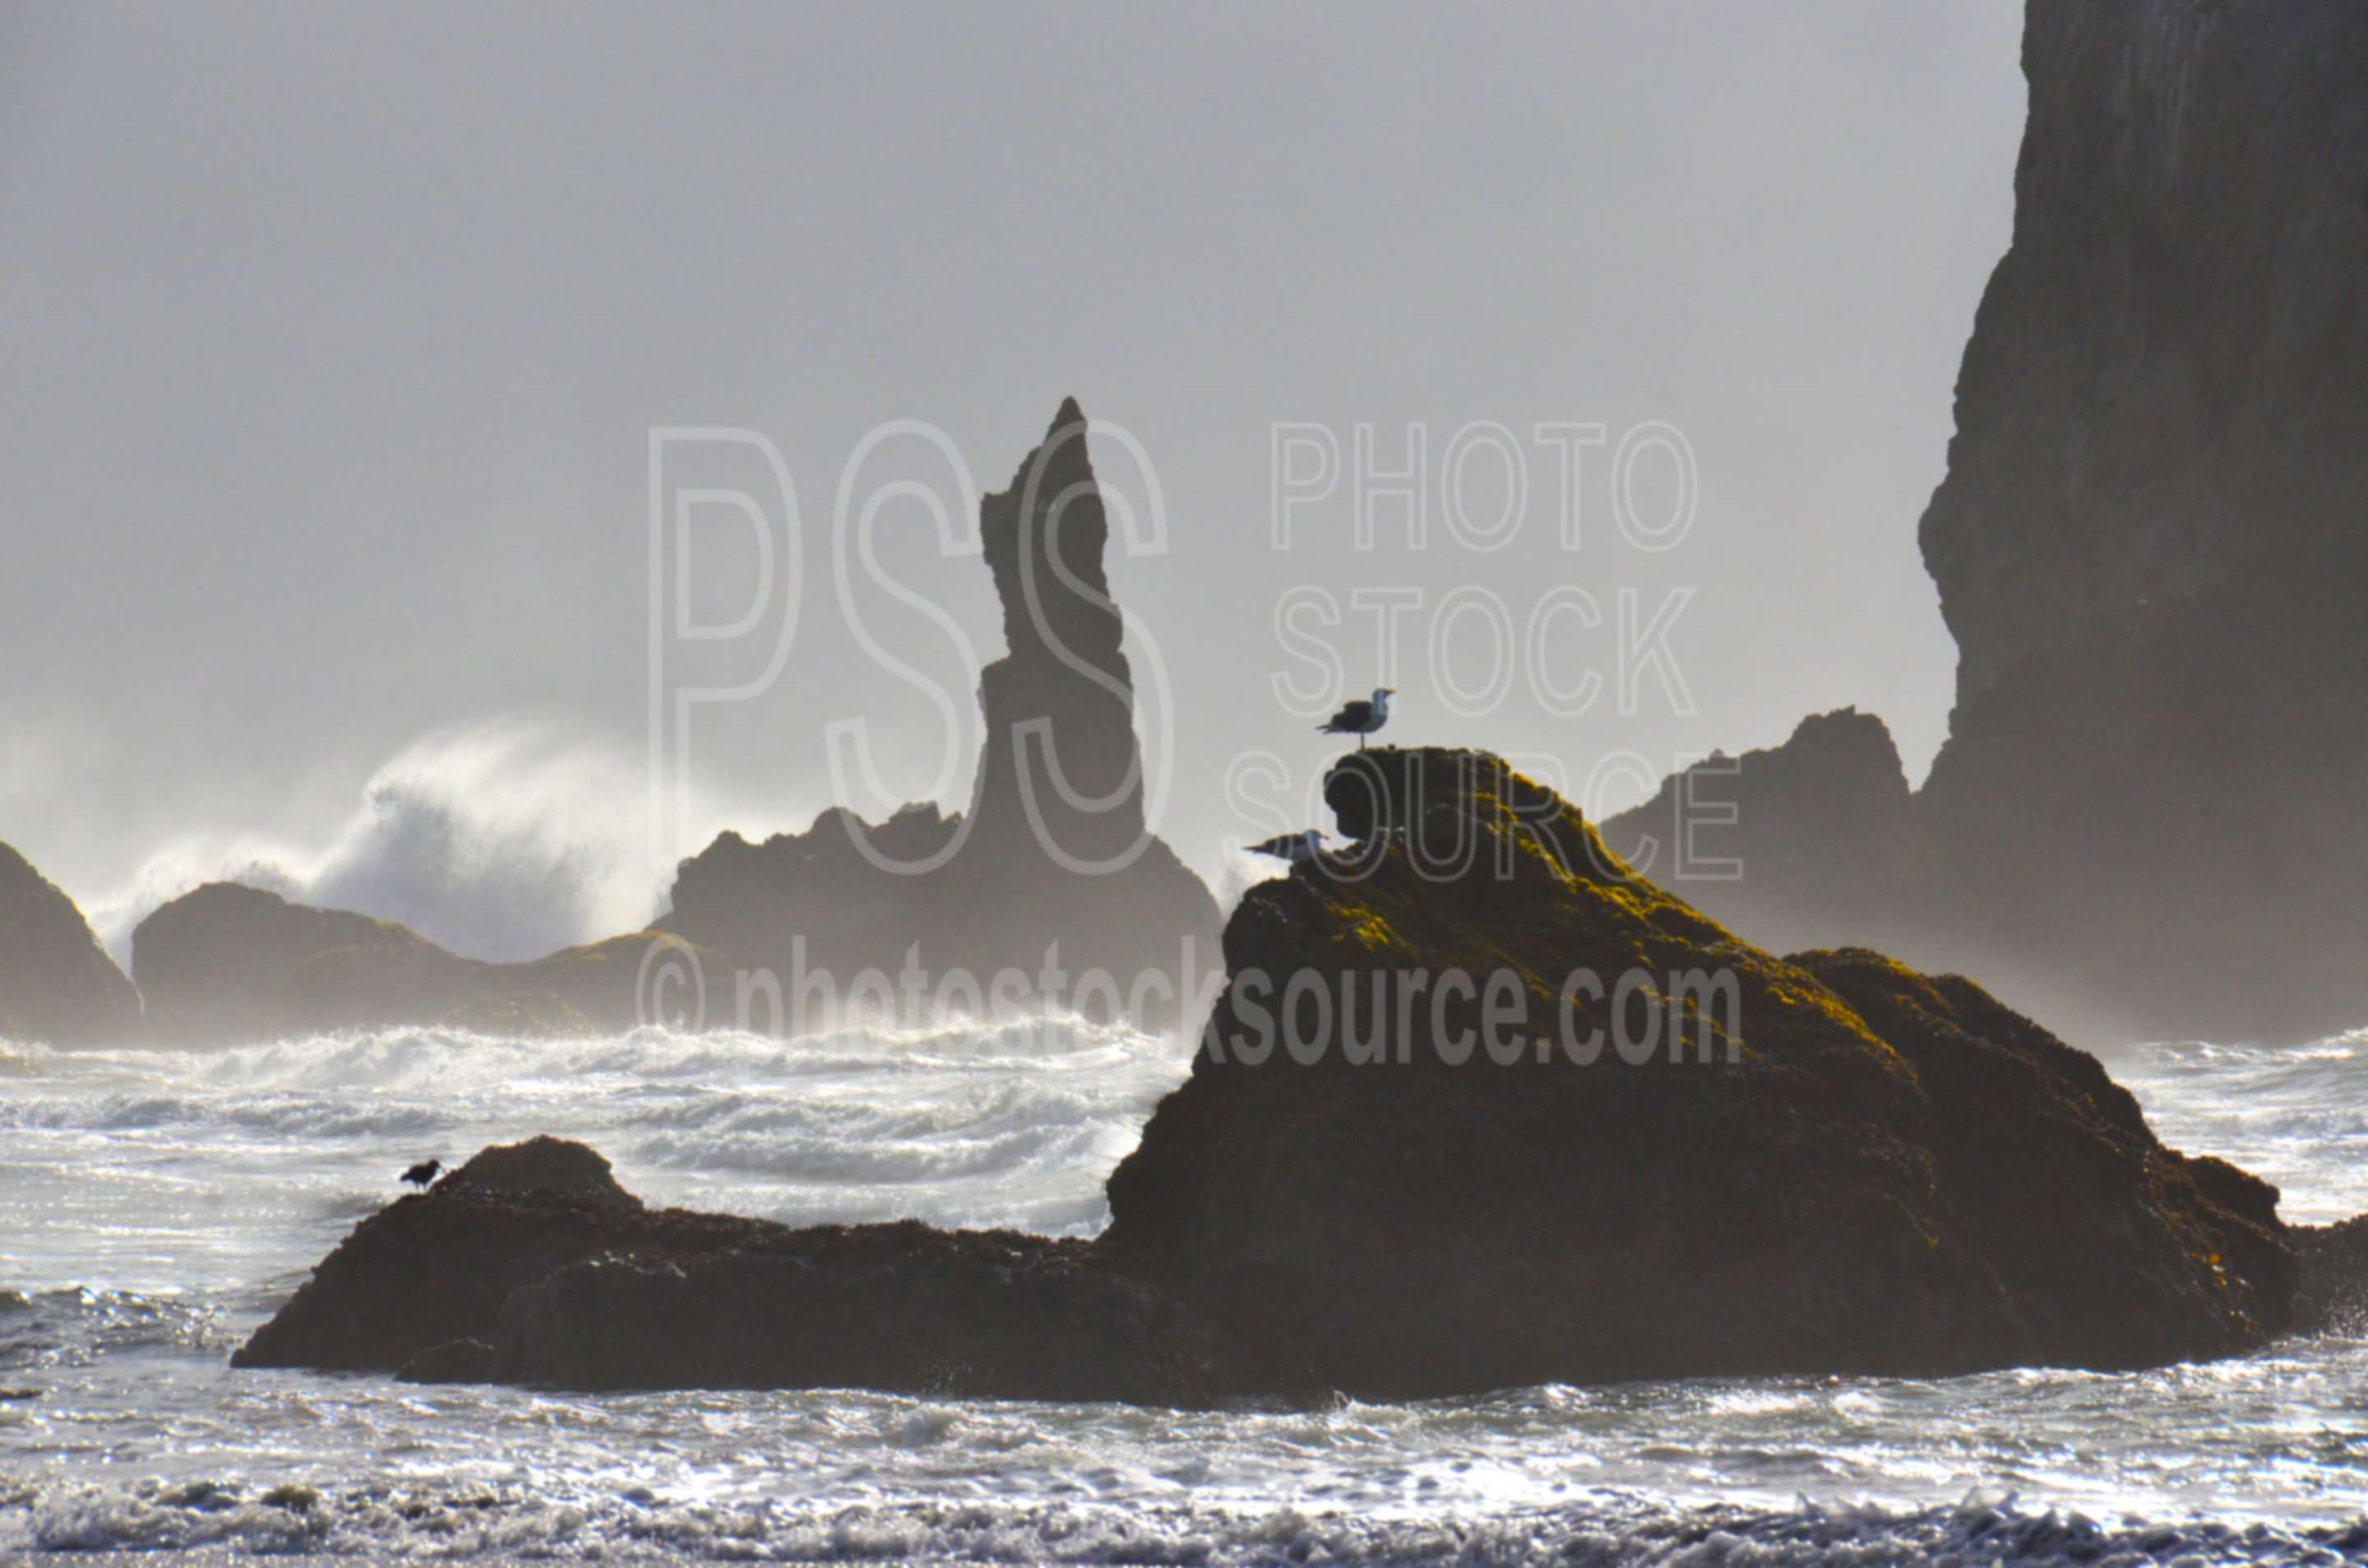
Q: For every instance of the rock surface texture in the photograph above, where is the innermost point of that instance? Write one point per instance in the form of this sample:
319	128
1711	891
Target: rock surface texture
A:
529	1264
2150	544
56	982
1824	1164
1054	843
1843	1166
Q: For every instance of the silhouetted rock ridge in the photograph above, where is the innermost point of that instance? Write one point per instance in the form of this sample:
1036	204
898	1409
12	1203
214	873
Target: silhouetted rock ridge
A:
56	982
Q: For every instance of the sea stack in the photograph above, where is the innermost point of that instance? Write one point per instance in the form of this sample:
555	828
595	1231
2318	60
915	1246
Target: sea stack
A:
1052	862
2150	544
2149	813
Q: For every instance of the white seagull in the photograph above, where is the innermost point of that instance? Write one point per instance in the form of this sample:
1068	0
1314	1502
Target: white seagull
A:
1296	847
1361	719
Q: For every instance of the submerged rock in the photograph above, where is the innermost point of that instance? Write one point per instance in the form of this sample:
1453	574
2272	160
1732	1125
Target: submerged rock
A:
56	982
1820	1165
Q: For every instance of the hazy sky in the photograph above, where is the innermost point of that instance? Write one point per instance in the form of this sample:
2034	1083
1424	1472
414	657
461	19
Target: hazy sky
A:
334	340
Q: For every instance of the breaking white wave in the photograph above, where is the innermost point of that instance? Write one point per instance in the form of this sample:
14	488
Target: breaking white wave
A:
2296	1115
505	841
155	1206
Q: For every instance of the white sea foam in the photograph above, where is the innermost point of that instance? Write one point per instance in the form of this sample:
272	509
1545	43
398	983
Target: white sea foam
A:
154	1206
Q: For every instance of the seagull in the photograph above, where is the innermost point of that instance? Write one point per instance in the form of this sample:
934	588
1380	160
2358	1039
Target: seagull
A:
422	1173
1361	719
1296	847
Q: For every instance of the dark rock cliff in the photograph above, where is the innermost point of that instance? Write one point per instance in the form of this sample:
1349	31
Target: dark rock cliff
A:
56	982
2150	544
1052	854
2150	813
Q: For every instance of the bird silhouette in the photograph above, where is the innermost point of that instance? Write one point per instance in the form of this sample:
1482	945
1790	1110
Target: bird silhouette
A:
422	1173
1361	719
1296	847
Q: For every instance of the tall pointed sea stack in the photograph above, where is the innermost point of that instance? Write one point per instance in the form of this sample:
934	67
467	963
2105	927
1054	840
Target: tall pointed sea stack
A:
1052	867
1066	678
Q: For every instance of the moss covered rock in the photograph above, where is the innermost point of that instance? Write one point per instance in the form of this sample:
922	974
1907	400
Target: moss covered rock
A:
1480	1108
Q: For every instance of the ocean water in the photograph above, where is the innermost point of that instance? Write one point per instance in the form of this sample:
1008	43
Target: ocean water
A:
155	1206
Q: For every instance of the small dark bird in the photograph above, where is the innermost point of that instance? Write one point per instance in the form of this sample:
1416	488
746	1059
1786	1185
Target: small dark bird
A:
1296	847
423	1172
1361	719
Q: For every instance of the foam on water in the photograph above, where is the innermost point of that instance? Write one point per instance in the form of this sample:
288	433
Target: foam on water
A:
154	1206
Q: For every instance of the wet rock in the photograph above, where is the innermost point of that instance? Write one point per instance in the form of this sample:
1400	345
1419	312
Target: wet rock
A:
454	1361
529	1264
2334	1294
544	1166
898	1307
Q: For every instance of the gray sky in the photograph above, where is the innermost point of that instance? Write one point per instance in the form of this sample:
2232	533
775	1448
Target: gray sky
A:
334	339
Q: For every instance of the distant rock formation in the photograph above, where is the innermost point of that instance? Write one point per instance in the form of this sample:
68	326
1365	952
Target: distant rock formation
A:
56	982
1052	858
2150	547
1816	843
1849	1168
1051	869
229	962
2150	544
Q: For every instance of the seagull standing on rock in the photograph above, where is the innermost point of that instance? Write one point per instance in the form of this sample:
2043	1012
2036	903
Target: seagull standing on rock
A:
422	1173
1298	848
1361	719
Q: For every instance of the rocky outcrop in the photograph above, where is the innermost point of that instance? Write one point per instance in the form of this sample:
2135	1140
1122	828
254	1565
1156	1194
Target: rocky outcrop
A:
2149	549
1824	1164
56	982
530	1265
1419	1154
1054	843
229	962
